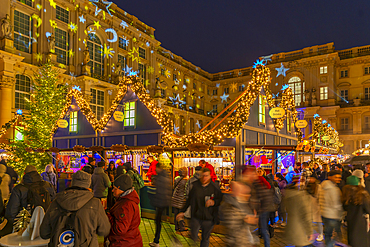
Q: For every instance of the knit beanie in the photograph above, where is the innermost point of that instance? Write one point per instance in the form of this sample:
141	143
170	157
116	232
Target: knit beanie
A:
30	168
358	173
81	179
353	180
123	182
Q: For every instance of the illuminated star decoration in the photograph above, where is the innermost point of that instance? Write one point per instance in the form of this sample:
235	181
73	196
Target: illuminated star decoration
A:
82	19
108	51
316	115
218	85
47	34
128	69
97	24
198	124
176	129
53	24
234	87
97	11
265	59
72	27
177	100
76	87
19	112
115	36
168	73
285	87
39	57
281	71
224	97
132	54
133	73
257	63
71	53
123	24
274	96
53	4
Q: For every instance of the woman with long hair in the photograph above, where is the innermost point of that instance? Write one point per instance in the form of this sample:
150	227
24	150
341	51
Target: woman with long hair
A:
356	201
111	171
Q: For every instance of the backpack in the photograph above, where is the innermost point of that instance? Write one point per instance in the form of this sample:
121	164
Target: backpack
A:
139	180
277	195
38	195
70	230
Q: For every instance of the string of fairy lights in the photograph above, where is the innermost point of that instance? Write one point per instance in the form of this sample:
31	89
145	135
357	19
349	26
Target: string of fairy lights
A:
322	129
9	124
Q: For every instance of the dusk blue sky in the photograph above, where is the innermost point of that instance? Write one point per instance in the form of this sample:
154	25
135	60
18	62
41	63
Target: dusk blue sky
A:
219	35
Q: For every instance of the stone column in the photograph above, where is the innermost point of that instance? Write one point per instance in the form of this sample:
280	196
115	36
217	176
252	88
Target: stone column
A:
6	100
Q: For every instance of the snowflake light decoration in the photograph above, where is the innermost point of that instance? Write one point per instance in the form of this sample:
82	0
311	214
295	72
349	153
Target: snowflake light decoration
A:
78	88
123	24
234	87
285	87
82	19
177	100
108	51
134	54
176	129
19	112
72	27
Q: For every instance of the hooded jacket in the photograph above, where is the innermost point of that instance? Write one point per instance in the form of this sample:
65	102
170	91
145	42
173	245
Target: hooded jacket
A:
5	182
124	218
18	197
152	170
163	190
88	209
100	183
330	201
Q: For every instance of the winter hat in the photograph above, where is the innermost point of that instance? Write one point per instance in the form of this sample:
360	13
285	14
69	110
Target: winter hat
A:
353	180
30	168
123	182
81	179
127	165
358	173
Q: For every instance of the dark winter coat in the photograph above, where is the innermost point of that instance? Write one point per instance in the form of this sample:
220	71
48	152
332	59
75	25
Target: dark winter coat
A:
18	197
178	197
367	183
13	175
100	183
197	199
189	183
357	224
163	191
125	219
88	208
50	177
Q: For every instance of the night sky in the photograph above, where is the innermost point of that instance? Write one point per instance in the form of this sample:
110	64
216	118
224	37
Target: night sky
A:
220	35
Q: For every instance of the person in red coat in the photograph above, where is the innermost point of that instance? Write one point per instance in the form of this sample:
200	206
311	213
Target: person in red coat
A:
205	164
124	216
153	164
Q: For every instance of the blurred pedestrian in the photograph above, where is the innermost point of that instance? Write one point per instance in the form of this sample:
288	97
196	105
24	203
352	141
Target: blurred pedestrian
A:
100	183
189	183
161	200
178	197
239	217
281	210
124	216
324	173
360	174
313	189
77	206
298	231
13	175
367	177
204	198
205	164
331	206
289	176
5	180
49	175
306	173
89	167
316	169
277	197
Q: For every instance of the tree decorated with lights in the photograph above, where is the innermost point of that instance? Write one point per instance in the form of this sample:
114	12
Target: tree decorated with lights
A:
46	102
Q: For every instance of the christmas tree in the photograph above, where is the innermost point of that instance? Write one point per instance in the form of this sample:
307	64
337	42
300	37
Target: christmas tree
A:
47	101
21	221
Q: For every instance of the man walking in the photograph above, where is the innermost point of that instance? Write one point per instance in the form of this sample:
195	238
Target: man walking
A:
204	199
100	181
331	206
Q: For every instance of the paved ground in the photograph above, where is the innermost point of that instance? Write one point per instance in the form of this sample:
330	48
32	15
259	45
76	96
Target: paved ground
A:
168	233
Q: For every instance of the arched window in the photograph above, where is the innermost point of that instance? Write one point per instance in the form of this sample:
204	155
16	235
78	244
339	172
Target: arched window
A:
22	91
96	55
297	86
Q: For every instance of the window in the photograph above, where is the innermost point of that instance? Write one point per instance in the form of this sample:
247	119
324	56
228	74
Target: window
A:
262	109
61	46
163	93
288	124
122	43
367	70
343	73
174	77
226	105
192	125
297	87
344	95
367	93
122	61
367	122
184	98
241	88
323	93
22	32
323	70
208	92
27	2
141	52
96	56
214	91
97	102
22	91
226	90
62	14
142	72
194	103
215	108
344	123
129	114
194	85
73	121
163	72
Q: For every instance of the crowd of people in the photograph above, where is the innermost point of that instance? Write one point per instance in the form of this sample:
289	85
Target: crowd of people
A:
106	202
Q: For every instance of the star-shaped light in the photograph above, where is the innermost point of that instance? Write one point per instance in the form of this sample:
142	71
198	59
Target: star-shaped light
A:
258	63
316	115
234	87
168	73
39	57
82	19
53	4
97	11
97	24
71	53
128	69
115	36
177	100
265	59
133	73
78	88
53	24
108	4
198	124
72	27
90	30
123	24
150	70
19	112
218	85
134	54
285	87
108	51
281	71
224	97
176	129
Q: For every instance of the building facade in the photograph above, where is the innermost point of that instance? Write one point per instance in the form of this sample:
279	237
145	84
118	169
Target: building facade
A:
94	43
